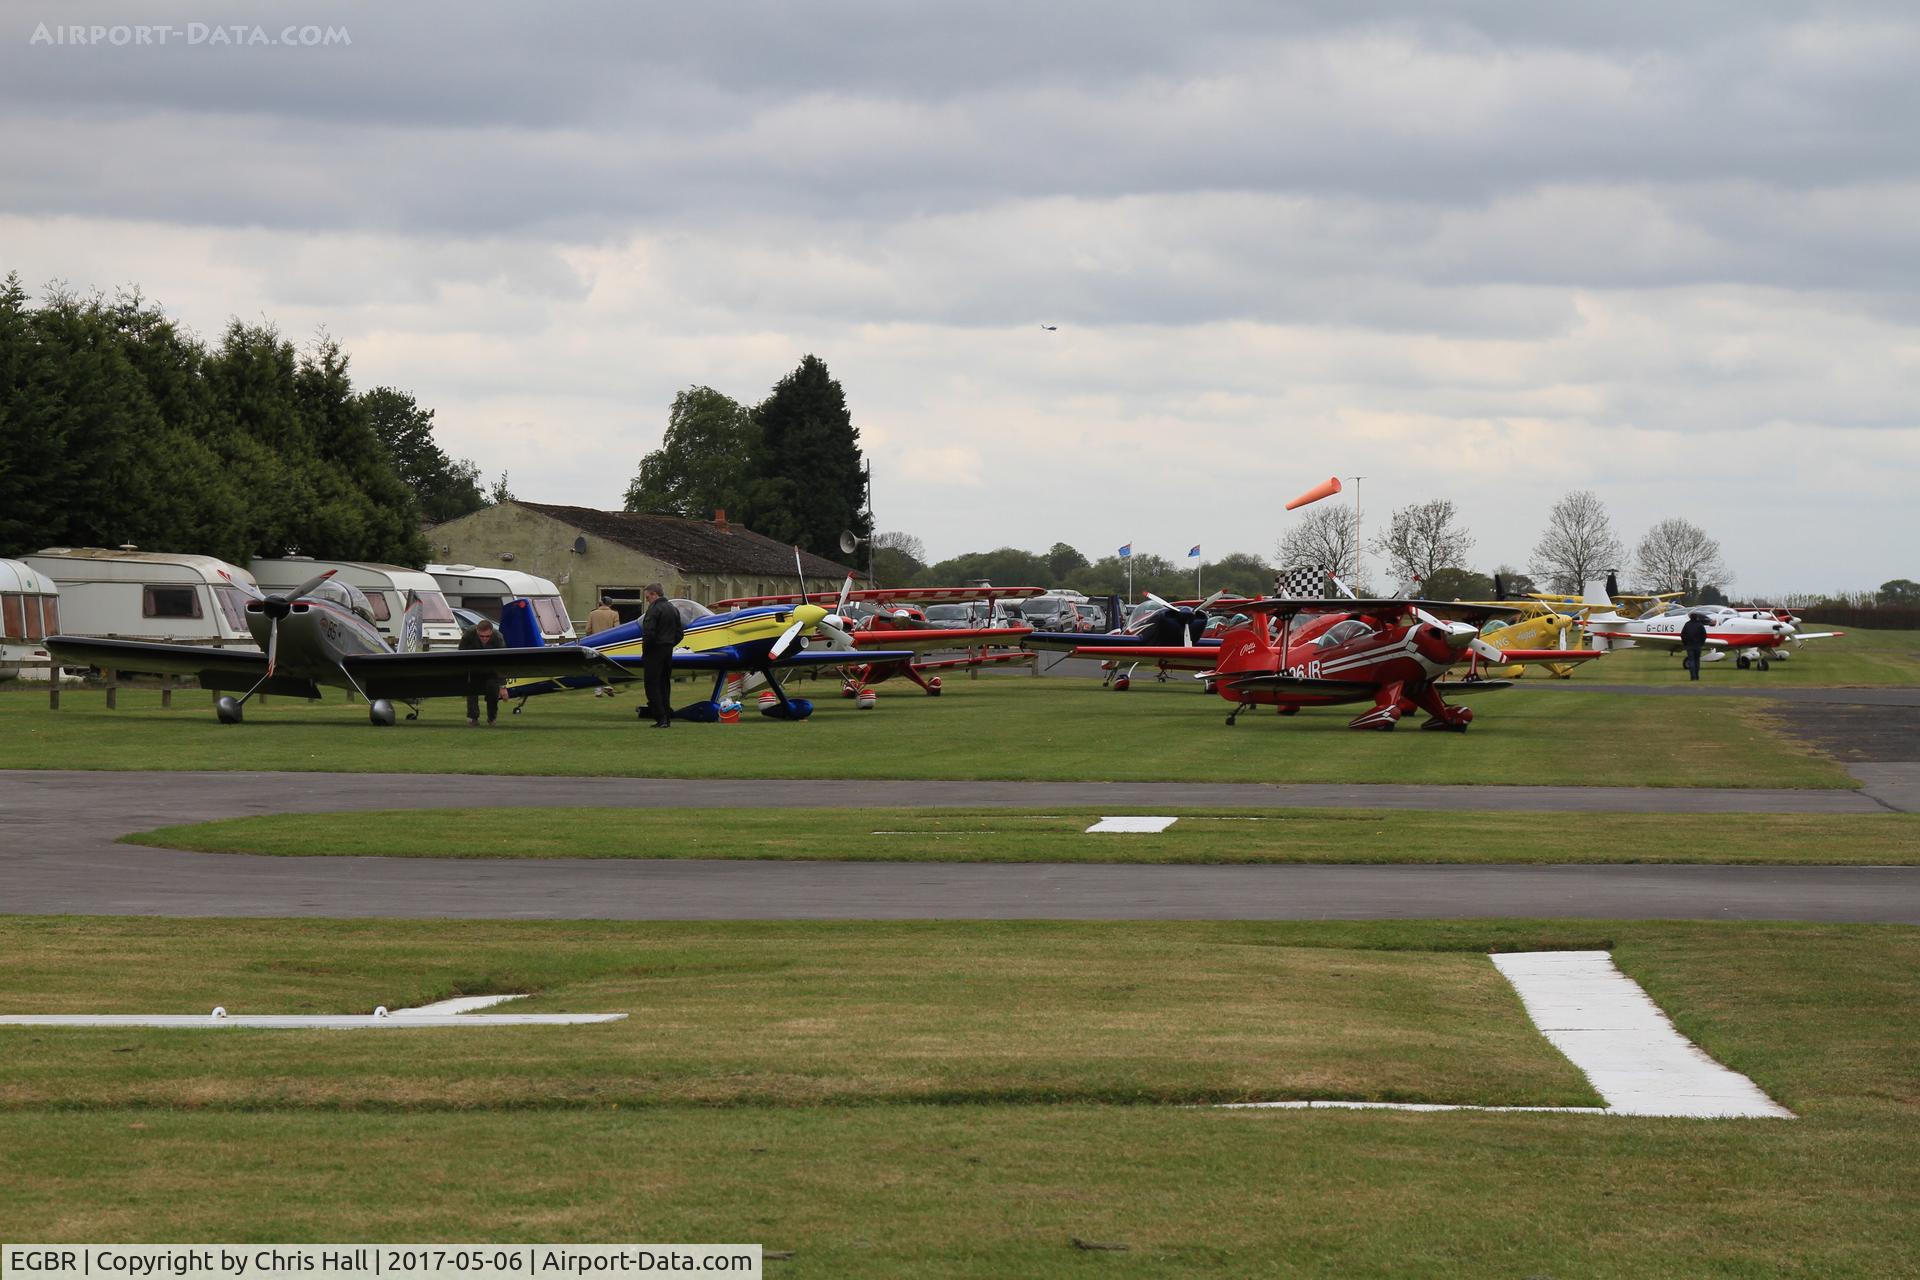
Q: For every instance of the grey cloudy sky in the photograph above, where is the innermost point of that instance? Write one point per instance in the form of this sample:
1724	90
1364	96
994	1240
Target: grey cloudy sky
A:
1488	251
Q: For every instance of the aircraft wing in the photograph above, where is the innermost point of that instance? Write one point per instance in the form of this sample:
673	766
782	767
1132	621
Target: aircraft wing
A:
904	595
1641	637
1457	687
1462	611
938	637
1148	652
1277	683
1062	640
447	672
1510	656
213	668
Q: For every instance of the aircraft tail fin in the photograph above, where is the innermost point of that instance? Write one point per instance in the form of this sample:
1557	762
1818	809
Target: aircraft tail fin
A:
518	626
1116	613
413	626
1599	596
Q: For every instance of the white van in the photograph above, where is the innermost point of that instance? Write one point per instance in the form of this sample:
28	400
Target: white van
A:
147	595
29	613
385	586
485	590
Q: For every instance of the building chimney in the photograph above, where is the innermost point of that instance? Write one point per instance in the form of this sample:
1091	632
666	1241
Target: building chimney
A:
720	519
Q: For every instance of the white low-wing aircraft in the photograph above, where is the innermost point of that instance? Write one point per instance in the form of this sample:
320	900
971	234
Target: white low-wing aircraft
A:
1752	636
322	633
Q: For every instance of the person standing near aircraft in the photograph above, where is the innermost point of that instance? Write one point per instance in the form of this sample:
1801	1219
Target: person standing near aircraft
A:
603	618
485	683
1693	638
660	631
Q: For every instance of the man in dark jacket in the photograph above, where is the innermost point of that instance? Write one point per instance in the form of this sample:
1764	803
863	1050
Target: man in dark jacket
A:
483	683
660	631
1693	638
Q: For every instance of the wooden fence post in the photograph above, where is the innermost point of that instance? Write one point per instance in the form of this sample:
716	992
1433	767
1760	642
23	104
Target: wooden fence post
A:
113	689
166	693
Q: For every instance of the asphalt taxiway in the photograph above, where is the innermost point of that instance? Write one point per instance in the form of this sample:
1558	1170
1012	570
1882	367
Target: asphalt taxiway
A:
60	856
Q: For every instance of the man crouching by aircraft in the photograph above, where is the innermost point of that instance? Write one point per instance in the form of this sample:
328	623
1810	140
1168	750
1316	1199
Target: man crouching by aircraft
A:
484	683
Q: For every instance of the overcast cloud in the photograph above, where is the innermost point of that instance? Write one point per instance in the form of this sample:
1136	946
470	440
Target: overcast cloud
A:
1490	252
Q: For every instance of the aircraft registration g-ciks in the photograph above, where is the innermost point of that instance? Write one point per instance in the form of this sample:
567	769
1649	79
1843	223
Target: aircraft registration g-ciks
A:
1392	653
322	633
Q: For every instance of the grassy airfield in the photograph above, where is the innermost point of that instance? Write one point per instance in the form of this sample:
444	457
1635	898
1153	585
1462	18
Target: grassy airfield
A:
965	1100
1857	660
1015	835
1007	726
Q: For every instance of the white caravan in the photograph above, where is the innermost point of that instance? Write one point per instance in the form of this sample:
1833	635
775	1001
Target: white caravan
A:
29	613
147	595
385	586
485	590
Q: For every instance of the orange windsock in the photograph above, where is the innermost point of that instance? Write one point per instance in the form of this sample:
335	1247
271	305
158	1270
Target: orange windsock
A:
1319	491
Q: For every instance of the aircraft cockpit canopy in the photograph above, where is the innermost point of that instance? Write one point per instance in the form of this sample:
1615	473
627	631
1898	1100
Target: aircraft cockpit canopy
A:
1342	632
344	594
691	611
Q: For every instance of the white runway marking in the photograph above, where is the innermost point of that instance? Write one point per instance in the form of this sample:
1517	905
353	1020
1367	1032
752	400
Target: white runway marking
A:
1612	1030
444	1013
1147	825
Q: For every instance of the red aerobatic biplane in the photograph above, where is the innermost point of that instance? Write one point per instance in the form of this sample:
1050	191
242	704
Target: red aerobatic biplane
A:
1392	653
896	618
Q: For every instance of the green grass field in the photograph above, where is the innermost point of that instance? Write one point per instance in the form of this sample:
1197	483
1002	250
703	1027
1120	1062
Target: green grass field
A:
1859	659
941	1099
1003	727
1010	835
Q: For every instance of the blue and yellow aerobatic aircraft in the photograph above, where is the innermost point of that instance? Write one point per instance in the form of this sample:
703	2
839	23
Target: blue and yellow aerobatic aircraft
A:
752	641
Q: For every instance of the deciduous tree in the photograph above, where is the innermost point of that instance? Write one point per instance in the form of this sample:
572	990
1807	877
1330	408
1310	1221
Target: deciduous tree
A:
1424	538
1677	555
1579	543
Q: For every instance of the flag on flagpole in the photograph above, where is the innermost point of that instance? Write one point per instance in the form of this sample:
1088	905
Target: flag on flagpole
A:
1195	553
1126	552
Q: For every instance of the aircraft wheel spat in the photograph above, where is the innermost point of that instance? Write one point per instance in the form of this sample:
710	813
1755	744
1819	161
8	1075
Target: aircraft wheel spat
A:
793	709
699	713
767	700
934	686
848	689
1122	683
865	700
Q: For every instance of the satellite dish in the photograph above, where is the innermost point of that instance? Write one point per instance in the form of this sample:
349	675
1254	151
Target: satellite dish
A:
580	545
849	542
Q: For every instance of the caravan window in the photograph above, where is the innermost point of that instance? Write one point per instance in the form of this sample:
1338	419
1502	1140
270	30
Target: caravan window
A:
433	607
169	602
233	607
51	605
33	616
10	616
552	614
377	602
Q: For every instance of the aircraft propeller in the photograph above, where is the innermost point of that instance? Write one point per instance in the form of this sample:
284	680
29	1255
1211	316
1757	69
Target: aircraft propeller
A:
787	638
278	607
836	624
1196	618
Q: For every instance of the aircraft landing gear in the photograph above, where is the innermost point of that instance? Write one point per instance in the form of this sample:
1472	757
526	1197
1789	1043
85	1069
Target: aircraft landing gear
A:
1743	662
413	711
380	711
227	710
1765	665
1235	713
